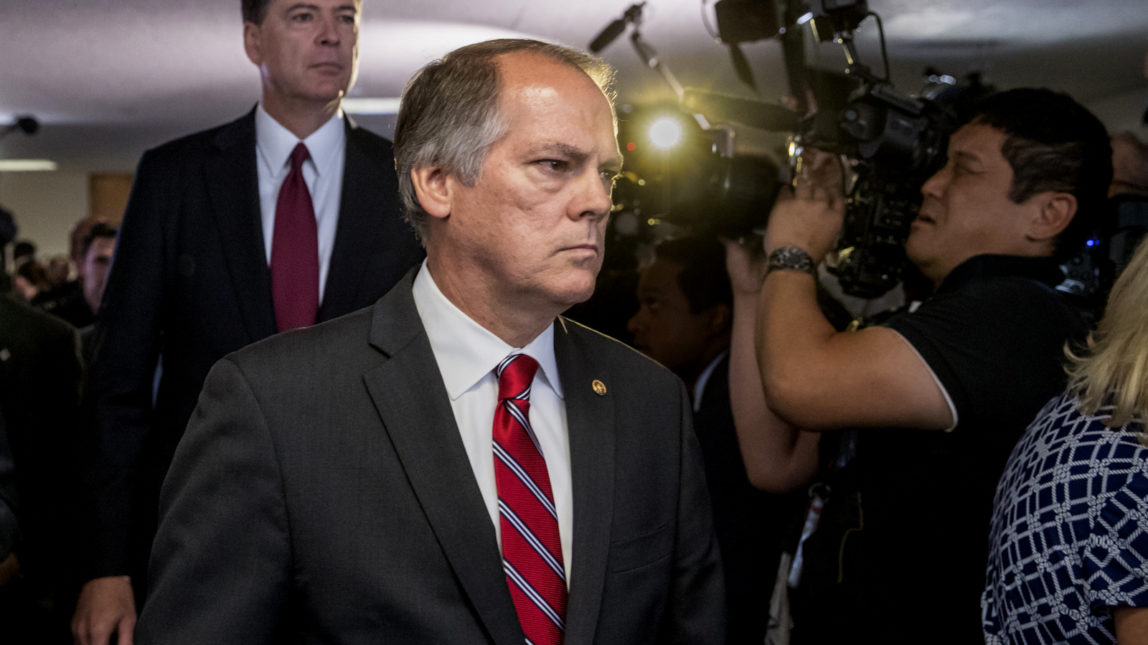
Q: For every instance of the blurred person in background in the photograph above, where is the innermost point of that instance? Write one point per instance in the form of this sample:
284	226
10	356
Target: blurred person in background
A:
683	322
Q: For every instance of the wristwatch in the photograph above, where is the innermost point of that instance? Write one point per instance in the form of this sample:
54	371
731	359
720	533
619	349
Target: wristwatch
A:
790	258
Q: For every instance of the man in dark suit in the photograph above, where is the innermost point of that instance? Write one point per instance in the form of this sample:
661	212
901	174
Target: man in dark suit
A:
457	464
287	216
39	392
684	322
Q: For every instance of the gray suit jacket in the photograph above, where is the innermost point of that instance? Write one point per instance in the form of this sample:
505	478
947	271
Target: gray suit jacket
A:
322	494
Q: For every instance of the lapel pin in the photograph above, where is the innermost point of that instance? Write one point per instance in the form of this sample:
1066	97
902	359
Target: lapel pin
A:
599	387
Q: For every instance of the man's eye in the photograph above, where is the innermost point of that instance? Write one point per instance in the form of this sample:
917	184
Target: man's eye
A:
301	17
347	19
554	165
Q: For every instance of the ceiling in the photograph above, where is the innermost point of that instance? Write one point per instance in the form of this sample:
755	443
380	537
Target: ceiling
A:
108	79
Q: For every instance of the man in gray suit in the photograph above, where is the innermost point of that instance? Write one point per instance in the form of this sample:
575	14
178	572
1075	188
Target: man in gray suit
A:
344	483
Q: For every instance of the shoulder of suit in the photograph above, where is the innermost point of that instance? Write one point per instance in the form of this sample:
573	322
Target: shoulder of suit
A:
329	341
189	146
21	323
600	347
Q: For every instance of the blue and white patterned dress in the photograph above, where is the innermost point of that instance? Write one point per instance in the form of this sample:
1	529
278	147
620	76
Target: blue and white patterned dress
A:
1069	537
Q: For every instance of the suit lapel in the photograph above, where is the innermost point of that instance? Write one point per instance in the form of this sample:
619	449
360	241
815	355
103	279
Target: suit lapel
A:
412	402
232	185
359	234
590	420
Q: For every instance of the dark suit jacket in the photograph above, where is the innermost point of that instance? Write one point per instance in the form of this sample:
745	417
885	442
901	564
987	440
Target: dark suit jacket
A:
190	283
322	494
9	529
753	527
39	395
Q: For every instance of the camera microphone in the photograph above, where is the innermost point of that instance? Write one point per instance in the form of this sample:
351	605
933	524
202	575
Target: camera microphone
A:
615	28
722	108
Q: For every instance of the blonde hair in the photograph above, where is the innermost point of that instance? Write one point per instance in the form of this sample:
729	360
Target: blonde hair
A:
1112	369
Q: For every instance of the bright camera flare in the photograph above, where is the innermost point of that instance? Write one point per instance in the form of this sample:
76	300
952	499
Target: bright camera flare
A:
665	133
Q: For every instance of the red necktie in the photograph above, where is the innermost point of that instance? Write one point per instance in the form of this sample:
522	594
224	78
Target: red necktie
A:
295	250
531	549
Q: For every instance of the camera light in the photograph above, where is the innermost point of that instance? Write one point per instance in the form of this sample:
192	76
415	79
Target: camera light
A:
665	133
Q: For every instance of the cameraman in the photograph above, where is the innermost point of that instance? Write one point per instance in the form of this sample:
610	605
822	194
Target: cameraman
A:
933	400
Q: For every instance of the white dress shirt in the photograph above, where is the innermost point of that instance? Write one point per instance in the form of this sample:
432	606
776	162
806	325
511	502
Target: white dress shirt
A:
467	354
322	172
704	379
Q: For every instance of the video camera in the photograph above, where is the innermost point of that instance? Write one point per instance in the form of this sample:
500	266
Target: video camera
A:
893	141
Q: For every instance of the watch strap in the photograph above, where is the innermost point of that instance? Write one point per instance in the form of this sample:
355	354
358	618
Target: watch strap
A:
790	258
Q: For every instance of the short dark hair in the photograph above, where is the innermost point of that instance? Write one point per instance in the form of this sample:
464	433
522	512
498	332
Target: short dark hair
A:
101	229
449	111
1053	143
24	249
255	10
703	278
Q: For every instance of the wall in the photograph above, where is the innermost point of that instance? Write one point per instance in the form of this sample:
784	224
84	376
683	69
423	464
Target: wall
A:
46	206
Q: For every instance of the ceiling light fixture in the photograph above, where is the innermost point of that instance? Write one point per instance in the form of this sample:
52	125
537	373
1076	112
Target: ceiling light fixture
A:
27	165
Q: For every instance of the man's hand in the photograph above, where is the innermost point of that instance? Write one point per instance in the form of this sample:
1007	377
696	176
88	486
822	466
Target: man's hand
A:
746	268
106	606
811	216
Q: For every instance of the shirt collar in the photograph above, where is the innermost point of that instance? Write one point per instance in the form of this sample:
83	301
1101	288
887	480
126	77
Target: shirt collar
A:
276	142
983	267
466	351
704	379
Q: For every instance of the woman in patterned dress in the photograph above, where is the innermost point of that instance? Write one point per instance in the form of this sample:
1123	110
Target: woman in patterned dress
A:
1068	558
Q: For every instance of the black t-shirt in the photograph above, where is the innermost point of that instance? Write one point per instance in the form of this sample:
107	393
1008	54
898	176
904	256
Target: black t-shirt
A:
902	555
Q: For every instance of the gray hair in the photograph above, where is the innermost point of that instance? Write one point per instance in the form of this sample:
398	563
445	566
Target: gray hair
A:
449	116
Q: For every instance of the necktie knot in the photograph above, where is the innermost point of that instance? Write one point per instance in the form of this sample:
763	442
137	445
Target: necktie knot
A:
515	374
298	156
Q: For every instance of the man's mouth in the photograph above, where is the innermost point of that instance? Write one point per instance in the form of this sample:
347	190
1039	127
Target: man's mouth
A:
590	248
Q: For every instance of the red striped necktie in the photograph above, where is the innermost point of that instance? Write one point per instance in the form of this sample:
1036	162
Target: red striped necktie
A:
531	548
295	250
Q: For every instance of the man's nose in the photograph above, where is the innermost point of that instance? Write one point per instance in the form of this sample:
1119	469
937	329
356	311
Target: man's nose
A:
328	31
594	198
935	185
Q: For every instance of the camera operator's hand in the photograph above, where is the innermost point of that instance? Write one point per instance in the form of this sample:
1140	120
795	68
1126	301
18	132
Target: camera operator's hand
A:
810	216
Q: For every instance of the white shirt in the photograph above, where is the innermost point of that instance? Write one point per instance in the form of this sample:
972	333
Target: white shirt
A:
704	379
322	172
467	354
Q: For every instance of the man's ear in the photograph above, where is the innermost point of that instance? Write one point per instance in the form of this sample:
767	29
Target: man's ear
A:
253	43
434	190
1055	214
718	319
